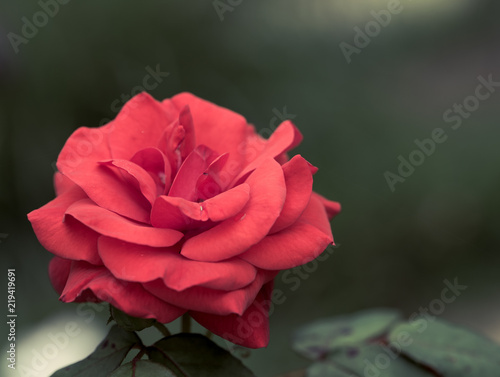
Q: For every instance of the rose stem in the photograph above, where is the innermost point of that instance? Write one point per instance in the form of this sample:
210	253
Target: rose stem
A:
162	328
209	334
186	323
139	355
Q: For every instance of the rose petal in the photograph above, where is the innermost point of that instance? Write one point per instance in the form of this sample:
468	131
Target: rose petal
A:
248	330
62	183
79	276
136	176
130	298
299	181
211	182
316	215
210	300
177	213
169	107
170	143
140	124
235	235
186	121
332	208
78	162
283	139
110	224
58	272
109	190
211	125
156	164
85	146
227	204
143	264
184	184
298	244
178	139
66	238
206	187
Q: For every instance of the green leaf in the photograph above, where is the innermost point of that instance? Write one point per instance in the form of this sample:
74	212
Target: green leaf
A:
108	355
194	355
130	323
366	361
448	349
316	340
142	368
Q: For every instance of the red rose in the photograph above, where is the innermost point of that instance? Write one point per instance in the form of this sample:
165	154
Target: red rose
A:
180	206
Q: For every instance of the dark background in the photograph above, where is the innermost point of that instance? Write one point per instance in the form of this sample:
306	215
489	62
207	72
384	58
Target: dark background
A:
396	248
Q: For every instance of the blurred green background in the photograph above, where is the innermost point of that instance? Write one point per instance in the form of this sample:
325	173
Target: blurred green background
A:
263	58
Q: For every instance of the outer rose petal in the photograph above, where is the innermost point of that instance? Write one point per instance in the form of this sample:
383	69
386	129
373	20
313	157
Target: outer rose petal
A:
142	264
66	238
316	215
128	297
109	190
248	330
62	183
332	208
286	137
299	181
110	224
78	161
85	146
140	124
59	271
296	245
235	235
210	300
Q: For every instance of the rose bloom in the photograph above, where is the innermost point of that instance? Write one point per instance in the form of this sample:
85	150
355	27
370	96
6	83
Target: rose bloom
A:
181	207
